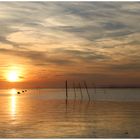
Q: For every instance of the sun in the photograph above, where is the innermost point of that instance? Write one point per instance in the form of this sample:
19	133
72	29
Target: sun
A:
13	76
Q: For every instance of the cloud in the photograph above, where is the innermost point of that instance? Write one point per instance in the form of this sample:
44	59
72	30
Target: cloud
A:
37	58
90	20
6	41
84	55
76	34
113	26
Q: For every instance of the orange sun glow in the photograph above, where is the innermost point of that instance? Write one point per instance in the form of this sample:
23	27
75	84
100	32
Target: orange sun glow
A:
13	76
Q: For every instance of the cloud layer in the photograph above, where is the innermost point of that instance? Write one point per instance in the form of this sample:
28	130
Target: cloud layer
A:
65	37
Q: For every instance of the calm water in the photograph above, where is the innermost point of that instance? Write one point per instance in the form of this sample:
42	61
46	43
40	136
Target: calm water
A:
111	113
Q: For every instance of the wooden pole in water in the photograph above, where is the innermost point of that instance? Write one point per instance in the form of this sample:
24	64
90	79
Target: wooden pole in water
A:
81	91
66	90
87	90
74	89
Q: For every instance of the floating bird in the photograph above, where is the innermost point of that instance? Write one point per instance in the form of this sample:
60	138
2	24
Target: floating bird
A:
18	92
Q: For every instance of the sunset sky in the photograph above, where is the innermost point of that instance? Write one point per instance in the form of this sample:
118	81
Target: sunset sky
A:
45	43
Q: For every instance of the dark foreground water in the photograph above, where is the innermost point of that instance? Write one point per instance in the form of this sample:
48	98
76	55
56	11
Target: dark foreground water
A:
33	114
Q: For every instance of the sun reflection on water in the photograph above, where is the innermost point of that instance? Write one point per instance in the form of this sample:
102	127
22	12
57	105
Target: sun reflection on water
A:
13	91
13	102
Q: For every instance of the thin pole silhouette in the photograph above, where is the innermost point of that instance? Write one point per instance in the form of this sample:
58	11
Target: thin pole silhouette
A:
87	90
81	91
66	90
66	105
74	89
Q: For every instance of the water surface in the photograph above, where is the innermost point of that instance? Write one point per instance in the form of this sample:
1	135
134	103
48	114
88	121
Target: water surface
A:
44	113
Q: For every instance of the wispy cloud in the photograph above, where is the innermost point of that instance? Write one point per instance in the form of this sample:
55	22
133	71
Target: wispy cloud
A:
92	34
36	57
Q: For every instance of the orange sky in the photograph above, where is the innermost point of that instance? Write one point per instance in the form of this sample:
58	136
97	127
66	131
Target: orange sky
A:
45	43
